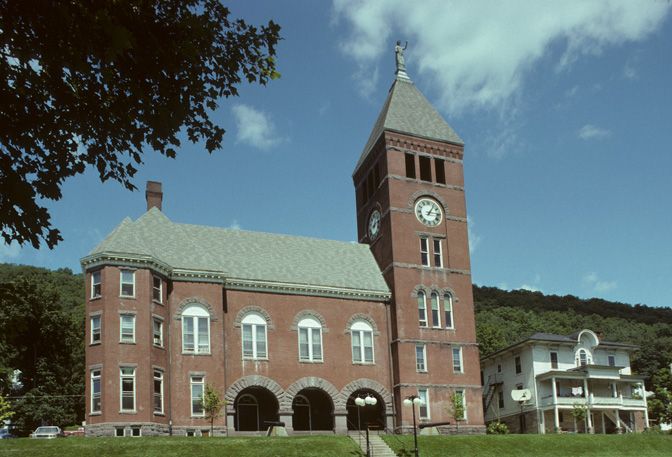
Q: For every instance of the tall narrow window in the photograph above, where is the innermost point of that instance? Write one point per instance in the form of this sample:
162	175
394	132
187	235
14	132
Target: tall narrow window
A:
421	357
410	166
612	360
197	389
422	309
127	375
254	337
362	342
196	330
457	360
436	312
440	171
127	328
127	283
448	309
423	409
310	340
425	168
157	289
583	357
519	367
95	390
158	391
157	331
95	329
95	284
500	399
438	255
460	399
424	251
554	360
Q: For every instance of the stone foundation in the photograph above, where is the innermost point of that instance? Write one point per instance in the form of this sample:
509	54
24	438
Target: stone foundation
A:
148	429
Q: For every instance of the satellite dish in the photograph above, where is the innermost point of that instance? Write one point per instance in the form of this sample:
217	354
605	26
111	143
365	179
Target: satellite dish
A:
521	395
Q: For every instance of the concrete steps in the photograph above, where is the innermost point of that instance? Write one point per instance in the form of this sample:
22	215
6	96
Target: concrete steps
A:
377	446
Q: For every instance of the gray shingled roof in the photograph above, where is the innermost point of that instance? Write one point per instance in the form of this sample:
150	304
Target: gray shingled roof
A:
406	110
240	254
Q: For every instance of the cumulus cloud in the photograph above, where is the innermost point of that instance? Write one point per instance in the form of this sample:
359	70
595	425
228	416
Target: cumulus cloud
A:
255	127
9	251
591	132
476	54
596	284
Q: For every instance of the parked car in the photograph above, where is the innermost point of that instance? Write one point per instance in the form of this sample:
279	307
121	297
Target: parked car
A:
6	434
47	432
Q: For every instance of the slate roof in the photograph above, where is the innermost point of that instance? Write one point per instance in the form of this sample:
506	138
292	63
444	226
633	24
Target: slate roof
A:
240	254
407	111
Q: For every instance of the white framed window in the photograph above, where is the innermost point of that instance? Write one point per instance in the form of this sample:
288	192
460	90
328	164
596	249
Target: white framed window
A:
158	391
448	310
421	358
157	289
422	309
582	358
197	391
127	283
457	360
554	360
127	328
310	340
424	252
362	342
96	288
436	311
96	334
157	331
95	390
127	389
254	336
460	398
438	253
195	330
423	409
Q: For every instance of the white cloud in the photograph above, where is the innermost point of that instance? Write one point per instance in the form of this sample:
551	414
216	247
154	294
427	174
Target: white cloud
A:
234	225
9	251
255	127
591	132
474	239
596	284
476	54
529	288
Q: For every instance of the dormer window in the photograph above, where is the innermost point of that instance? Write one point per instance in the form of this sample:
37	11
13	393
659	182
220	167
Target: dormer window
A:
582	358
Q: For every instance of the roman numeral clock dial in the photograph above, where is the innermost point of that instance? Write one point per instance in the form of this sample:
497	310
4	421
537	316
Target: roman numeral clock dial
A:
428	212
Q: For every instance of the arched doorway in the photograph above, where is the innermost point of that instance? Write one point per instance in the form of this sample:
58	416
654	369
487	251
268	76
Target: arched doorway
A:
313	410
255	406
361	416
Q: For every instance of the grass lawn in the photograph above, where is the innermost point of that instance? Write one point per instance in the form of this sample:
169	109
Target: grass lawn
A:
639	445
326	446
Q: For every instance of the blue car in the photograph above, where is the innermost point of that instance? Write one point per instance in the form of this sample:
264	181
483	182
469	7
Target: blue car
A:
6	434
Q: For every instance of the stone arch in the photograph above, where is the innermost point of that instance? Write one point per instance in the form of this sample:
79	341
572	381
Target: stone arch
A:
448	290
251	381
253	309
309	313
428	193
307	382
194	301
419	288
365	383
364	317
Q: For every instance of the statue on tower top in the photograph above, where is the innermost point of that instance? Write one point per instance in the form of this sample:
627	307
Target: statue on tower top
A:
399	56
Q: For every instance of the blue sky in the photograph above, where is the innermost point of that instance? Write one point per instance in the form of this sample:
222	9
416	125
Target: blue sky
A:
565	109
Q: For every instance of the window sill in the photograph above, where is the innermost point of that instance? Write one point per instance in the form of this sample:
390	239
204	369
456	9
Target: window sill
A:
256	359
311	361
128	412
97	297
96	343
156	413
97	413
422	372
158	302
158	346
363	363
132	297
126	342
197	353
200	416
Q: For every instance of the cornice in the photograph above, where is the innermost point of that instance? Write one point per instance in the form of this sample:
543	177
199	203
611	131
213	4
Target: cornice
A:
305	289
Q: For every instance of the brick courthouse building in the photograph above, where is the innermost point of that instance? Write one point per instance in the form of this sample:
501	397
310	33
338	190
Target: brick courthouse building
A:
290	328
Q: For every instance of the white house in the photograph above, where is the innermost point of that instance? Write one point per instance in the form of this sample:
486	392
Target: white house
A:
563	373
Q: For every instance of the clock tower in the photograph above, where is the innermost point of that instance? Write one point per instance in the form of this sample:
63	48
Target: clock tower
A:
411	210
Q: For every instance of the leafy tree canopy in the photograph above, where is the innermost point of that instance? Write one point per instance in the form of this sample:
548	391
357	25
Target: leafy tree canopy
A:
91	83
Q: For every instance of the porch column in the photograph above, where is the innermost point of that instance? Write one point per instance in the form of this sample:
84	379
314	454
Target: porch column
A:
556	419
588	396
646	407
555	391
618	422
604	427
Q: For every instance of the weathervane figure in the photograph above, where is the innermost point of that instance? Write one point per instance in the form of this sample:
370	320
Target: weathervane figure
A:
399	55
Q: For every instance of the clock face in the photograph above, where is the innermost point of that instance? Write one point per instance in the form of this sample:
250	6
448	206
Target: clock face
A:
428	212
374	224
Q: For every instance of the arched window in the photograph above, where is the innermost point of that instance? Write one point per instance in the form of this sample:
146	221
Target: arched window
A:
436	312
254	336
362	342
422	309
448	309
582	358
195	330
310	340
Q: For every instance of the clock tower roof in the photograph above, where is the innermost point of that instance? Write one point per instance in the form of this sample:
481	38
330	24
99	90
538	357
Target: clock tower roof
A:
407	111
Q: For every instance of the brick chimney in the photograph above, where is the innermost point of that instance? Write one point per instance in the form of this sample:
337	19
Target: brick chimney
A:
154	195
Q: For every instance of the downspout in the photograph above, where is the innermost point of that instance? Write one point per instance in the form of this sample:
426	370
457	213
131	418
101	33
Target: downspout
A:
388	304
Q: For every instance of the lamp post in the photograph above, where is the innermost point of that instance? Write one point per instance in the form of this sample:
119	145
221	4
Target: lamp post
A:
412	401
360	402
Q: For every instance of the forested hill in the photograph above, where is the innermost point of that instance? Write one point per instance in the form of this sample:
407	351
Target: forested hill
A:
504	318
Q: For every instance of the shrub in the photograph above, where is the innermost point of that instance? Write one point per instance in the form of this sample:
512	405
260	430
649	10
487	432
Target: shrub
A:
497	428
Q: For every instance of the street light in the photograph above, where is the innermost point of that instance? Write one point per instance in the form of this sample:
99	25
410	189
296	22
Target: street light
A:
368	401
412	401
